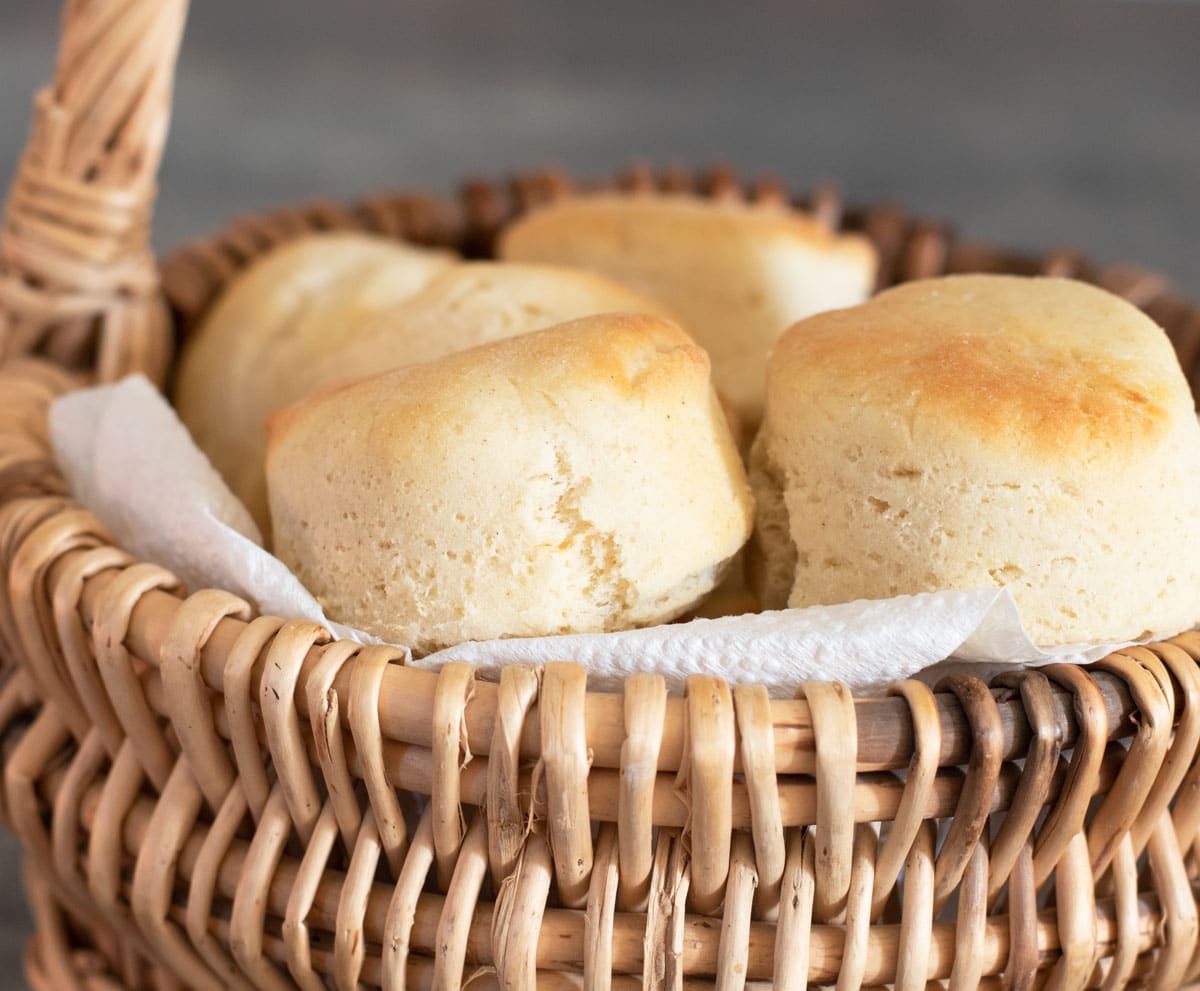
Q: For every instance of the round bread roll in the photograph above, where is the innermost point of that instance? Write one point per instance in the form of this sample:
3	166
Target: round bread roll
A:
336	307
737	274
476	303
980	431
577	479
266	341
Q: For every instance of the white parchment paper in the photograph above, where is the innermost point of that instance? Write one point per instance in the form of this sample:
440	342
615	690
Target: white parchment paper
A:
131	461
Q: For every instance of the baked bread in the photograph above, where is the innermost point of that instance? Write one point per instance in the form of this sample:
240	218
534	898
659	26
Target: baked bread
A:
577	479
266	341
336	307
476	303
981	431
738	275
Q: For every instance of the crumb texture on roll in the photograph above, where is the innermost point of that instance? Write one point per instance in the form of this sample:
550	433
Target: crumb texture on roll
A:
577	479
976	431
737	274
332	307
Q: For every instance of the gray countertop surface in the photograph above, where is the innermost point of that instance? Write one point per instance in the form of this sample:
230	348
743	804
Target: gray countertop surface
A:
1032	124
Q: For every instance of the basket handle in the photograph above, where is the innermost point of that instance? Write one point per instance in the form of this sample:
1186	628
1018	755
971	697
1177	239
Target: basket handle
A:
78	281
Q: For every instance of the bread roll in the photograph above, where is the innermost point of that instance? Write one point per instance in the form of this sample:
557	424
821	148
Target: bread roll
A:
476	303
268	339
577	479
737	275
336	307
980	431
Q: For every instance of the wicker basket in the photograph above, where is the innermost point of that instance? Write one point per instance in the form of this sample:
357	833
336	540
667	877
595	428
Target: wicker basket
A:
213	799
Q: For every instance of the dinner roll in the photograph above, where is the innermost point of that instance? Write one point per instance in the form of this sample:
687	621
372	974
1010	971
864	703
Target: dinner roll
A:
290	325
577	479
978	431
737	274
476	303
268	339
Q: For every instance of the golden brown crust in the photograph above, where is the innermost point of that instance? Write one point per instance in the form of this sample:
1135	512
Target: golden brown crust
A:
637	355
1035	365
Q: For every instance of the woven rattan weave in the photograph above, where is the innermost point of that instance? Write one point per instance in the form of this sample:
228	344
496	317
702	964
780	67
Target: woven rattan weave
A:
214	799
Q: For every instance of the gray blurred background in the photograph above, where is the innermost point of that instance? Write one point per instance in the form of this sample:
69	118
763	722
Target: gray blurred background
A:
1033	124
